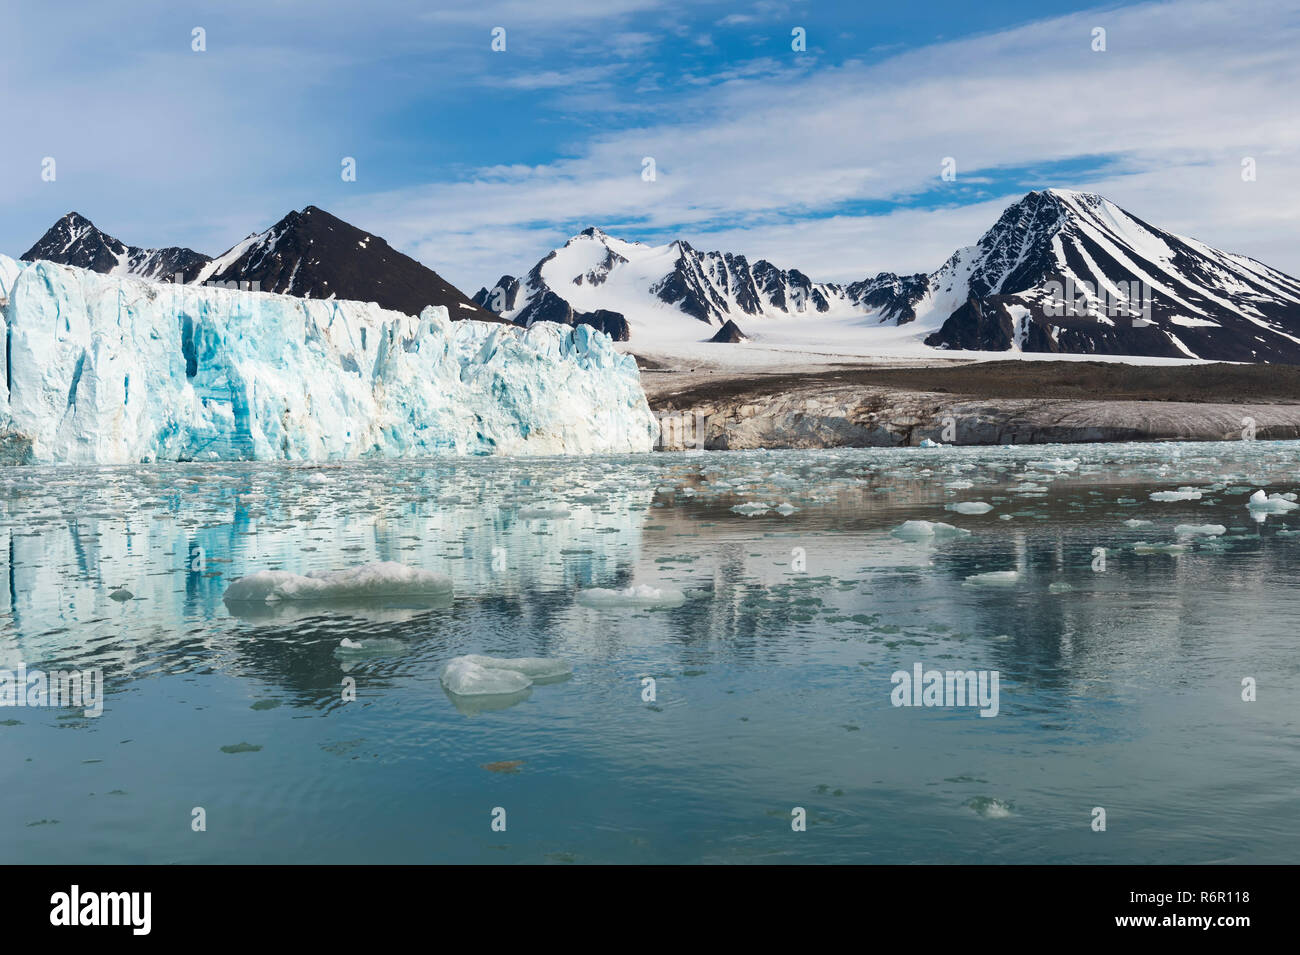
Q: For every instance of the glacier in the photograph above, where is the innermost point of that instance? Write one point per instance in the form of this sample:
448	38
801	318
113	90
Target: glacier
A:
115	370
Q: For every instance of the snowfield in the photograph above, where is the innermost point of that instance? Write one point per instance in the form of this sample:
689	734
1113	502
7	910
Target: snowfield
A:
114	370
1135	293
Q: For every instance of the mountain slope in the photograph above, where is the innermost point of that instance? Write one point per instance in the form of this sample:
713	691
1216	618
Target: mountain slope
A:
74	240
678	286
1072	272
308	254
1059	272
312	254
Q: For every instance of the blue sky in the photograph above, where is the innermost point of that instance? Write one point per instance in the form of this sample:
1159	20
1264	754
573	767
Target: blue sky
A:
478	162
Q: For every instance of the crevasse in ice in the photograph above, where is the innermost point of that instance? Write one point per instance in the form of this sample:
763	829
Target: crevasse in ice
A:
108	370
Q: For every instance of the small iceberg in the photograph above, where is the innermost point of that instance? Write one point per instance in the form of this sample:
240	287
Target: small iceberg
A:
1272	503
1143	547
477	683
544	513
639	596
1204	530
995	578
927	530
477	675
1182	494
1054	464
991	808
929	443
383	579
365	648
969	507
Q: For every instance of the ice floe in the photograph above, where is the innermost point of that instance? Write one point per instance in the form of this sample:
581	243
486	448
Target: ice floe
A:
1142	547
994	578
1206	530
927	530
382	579
1272	503
1182	494
638	596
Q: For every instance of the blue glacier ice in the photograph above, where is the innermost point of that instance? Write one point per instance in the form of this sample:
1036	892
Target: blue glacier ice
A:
110	370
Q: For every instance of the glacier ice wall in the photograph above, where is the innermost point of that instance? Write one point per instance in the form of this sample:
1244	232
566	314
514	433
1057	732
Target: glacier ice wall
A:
109	370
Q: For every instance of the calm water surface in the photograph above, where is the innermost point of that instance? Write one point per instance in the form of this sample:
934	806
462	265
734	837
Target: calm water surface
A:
1119	688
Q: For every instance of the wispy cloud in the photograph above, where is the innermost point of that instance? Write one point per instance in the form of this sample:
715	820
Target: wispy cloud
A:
1183	92
479	162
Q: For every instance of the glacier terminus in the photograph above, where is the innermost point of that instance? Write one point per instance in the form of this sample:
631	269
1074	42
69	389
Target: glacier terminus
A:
114	370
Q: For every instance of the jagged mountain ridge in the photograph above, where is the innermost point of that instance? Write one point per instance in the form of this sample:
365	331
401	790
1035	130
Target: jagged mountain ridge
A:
307	254
1050	254
1191	300
74	240
594	271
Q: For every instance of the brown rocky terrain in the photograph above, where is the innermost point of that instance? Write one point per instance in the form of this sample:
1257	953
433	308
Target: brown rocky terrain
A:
999	402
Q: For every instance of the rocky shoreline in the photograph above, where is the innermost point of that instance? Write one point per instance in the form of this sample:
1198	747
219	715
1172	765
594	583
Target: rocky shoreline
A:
989	404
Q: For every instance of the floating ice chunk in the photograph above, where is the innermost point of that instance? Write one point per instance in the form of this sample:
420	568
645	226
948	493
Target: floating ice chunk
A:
477	675
752	509
638	596
995	578
537	669
1059	588
1136	522
1142	547
357	648
1271	503
929	443
927	530
969	507
384	579
1054	464
1182	494
463	677
1207	530
785	509
959	485
553	513
990	808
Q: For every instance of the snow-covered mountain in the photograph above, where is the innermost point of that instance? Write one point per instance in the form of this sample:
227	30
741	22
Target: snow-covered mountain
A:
1060	271
1073	272
74	240
595	274
308	254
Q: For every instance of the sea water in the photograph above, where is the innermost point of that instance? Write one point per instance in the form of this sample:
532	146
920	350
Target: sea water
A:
1145	664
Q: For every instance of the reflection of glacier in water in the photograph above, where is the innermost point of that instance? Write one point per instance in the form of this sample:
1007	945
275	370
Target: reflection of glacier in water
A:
177	536
1122	641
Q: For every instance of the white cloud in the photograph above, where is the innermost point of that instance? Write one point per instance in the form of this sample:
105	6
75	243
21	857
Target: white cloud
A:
746	156
1183	92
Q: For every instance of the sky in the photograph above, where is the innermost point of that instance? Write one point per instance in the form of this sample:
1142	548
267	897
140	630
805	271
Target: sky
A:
478	161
